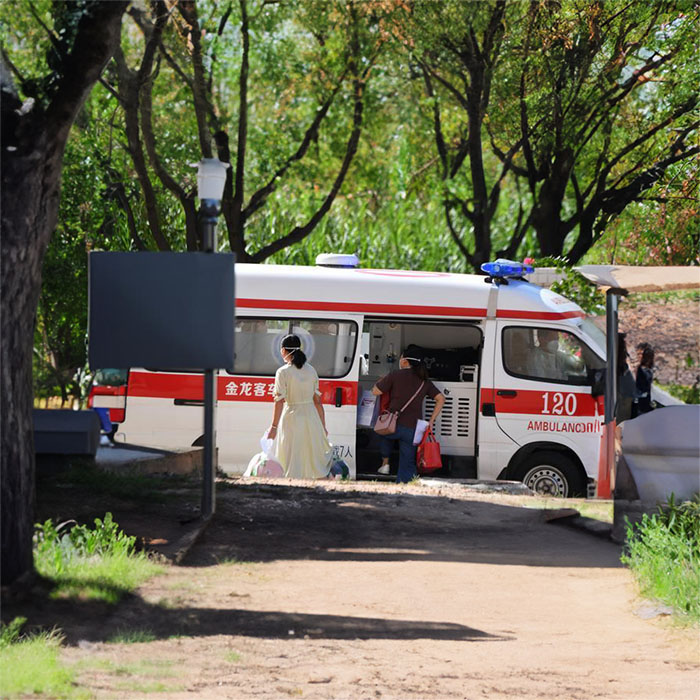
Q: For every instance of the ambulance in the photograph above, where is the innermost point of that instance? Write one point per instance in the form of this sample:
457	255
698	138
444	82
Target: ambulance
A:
519	365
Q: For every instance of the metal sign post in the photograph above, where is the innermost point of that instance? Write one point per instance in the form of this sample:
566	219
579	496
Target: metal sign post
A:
211	178
607	448
209	211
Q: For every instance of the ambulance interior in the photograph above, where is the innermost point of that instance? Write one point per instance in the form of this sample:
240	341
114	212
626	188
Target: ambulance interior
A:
451	352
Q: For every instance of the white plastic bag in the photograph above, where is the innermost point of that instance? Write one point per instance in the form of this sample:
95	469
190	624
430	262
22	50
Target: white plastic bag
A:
264	463
266	444
271	468
254	464
421	425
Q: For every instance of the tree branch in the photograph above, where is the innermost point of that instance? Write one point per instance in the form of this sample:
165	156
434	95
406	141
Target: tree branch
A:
260	197
437	125
237	229
455	236
202	106
130	98
97	36
298	233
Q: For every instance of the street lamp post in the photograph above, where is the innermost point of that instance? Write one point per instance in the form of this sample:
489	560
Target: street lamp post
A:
211	178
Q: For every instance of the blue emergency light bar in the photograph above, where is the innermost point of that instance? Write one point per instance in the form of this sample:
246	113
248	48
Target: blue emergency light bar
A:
506	268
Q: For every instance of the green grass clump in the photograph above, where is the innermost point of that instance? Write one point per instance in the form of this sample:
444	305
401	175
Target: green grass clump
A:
90	564
663	552
132	635
687	393
30	664
130	486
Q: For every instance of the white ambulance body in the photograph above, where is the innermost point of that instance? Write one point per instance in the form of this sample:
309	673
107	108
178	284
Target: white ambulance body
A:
511	410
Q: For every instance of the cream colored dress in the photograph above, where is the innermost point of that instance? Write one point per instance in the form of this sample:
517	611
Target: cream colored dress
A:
301	446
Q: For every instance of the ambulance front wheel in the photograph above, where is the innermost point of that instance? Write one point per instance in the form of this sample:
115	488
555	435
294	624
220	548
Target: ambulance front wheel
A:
551	474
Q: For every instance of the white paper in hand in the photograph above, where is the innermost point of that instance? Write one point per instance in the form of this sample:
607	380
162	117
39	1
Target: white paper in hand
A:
421	427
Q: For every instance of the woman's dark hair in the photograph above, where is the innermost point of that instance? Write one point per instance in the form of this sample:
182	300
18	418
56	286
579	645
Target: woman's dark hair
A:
647	355
413	356
291	343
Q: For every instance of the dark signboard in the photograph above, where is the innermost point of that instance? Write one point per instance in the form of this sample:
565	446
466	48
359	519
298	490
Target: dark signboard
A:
161	310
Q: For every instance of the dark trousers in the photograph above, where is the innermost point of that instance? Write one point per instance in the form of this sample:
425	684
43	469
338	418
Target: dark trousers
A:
407	452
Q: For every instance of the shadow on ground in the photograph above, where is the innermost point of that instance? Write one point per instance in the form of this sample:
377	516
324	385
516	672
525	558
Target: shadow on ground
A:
85	621
264	522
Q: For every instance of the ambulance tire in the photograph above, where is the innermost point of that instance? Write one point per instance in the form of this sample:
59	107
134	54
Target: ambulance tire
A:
551	474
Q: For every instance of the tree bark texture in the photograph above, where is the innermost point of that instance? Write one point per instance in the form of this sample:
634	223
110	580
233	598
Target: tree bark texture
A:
33	142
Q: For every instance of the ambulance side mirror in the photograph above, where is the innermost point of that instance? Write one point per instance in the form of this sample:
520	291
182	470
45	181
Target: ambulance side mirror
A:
597	382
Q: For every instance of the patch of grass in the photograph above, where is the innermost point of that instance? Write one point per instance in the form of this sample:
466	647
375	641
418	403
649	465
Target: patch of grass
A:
672	297
663	552
132	635
130	486
93	564
598	510
147	687
29	665
233	657
589	508
231	560
145	667
687	393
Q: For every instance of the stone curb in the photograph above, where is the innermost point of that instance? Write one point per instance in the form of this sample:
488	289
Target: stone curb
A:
572	518
150	461
189	539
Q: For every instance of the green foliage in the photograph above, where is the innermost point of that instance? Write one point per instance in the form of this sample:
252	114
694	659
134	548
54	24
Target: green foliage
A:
663	551
403	233
29	665
686	393
574	60
10	632
574	286
97	563
132	635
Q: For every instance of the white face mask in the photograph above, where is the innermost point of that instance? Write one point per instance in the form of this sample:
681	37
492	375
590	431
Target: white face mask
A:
552	346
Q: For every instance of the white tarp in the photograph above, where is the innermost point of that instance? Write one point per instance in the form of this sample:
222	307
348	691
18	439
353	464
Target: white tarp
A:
662	451
642	279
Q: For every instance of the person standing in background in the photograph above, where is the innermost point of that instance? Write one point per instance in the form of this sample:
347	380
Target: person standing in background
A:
645	377
301	445
401	385
626	390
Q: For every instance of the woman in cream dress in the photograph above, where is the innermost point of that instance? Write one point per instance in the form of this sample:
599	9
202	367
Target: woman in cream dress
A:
298	421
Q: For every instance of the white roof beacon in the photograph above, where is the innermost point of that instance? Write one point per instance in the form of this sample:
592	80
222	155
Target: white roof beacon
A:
337	260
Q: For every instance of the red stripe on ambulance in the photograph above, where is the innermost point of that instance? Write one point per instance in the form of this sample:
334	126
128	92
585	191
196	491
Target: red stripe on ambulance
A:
402	309
189	387
548	404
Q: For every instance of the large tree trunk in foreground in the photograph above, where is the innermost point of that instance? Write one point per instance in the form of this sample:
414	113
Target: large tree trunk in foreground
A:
33	141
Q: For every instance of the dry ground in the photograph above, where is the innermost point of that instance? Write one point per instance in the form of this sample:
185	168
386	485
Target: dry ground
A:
364	590
673	329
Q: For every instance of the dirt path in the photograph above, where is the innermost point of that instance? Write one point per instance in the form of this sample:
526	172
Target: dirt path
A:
378	591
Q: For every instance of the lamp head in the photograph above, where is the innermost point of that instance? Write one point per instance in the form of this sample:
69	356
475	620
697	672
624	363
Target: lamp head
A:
211	178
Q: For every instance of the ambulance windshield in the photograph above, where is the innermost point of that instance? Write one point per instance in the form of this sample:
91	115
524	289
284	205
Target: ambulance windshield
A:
589	326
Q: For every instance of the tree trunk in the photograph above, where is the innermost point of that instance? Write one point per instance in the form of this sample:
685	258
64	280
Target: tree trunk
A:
29	207
33	145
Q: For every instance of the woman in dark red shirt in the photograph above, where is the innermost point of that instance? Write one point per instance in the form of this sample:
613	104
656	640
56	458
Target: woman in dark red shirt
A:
401	385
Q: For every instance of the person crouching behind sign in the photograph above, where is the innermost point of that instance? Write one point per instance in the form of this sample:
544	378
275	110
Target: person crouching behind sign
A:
298	421
401	385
